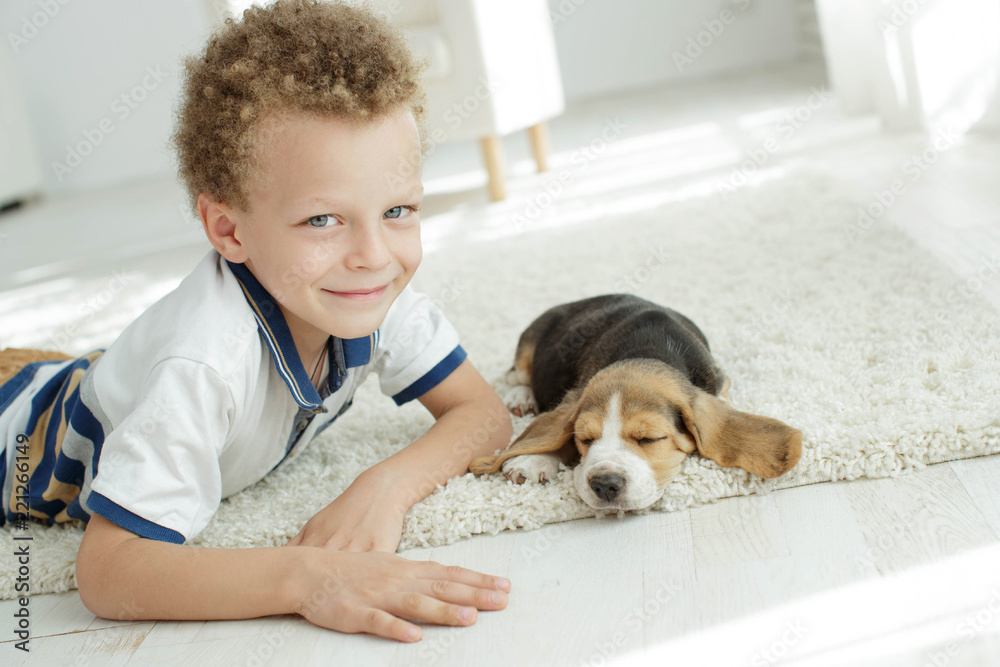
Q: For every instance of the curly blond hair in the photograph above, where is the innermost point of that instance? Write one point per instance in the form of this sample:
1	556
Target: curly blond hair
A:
332	59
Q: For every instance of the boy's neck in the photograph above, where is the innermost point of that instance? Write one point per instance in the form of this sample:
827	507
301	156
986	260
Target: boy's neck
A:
310	342
316	376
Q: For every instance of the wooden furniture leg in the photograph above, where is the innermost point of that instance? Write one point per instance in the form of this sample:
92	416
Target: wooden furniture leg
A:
540	145
493	155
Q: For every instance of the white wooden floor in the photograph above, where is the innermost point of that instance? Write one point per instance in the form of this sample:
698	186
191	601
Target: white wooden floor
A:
872	572
879	572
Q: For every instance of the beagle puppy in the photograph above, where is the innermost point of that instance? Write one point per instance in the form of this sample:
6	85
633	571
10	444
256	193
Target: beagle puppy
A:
627	388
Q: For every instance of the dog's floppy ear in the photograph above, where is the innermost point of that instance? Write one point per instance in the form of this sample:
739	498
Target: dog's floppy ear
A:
764	446
550	431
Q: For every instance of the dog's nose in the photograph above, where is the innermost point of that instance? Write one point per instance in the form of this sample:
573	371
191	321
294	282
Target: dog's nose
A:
607	487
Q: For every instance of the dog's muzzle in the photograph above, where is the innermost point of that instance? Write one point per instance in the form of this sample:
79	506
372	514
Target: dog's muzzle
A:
607	486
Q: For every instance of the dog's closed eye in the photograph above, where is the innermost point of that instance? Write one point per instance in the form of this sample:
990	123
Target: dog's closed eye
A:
587	429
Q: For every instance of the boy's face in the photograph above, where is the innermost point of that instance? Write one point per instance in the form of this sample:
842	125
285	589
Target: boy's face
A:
331	229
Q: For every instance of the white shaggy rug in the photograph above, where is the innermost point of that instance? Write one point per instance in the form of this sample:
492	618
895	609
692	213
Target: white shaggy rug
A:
852	338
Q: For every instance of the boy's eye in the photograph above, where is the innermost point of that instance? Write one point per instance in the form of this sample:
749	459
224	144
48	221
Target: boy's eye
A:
399	211
324	220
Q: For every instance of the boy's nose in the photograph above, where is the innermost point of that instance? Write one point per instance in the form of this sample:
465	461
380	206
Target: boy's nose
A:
369	250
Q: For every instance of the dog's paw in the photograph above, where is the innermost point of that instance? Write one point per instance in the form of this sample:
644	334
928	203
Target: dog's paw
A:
531	467
521	400
515	377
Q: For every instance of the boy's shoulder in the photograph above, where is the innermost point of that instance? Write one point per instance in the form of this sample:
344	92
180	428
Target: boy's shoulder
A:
206	319
412	319
417	347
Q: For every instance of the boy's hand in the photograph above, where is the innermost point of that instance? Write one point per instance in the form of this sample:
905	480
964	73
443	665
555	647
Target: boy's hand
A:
470	420
123	576
376	593
362	518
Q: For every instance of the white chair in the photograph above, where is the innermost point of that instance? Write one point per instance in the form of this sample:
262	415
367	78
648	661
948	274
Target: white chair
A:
492	71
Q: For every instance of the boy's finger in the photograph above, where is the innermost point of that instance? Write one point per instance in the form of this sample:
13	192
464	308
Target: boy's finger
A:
465	595
382	623
420	607
461	575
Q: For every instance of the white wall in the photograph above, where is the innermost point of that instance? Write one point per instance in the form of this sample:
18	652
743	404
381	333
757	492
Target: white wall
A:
810	42
610	45
76	59
20	173
101	77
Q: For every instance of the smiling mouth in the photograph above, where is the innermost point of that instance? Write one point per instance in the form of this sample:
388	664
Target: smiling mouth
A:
360	295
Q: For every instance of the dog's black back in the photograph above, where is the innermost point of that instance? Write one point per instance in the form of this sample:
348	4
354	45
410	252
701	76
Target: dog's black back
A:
574	341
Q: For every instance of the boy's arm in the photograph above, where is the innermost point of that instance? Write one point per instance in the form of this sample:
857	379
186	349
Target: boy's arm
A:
122	576
471	421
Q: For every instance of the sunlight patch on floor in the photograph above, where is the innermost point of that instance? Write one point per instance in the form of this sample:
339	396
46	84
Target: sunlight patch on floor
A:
911	612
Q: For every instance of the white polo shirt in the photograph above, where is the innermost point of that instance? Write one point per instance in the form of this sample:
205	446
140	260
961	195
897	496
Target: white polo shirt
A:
200	397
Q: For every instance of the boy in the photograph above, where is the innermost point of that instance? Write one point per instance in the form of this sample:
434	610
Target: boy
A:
295	139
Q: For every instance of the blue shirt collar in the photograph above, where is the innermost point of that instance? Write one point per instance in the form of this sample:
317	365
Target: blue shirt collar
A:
343	353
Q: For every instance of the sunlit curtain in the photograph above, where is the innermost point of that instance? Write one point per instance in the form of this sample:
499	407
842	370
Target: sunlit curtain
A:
916	63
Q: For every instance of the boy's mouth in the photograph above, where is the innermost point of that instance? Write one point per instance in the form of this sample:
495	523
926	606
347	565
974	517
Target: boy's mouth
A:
368	294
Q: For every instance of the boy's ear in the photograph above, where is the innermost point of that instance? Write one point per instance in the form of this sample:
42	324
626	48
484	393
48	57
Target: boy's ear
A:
220	227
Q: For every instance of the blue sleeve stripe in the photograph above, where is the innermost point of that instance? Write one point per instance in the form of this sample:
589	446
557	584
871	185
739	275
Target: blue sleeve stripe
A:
432	377
117	514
